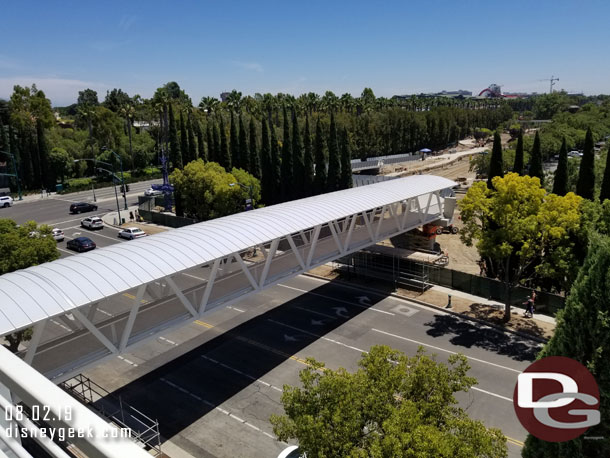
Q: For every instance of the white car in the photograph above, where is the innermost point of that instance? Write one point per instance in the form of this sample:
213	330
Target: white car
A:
92	222
131	233
6	201
58	234
152	192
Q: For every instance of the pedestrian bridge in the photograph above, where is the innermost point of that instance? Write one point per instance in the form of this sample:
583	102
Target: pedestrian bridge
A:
98	305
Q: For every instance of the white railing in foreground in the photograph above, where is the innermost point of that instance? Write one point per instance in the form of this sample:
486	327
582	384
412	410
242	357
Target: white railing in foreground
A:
63	414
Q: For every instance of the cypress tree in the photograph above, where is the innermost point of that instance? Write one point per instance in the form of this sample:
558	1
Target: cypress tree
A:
217	151
583	334
518	167
210	141
235	156
346	162
244	153
267	178
605	190
47	180
255	160
175	155
560	182
287	184
3	139
297	158
225	156
496	167
25	147
321	161
184	143
191	139
334	164
308	162
585	187
200	143
535	169
275	167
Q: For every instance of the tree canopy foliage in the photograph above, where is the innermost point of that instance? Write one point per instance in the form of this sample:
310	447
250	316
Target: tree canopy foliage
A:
392	406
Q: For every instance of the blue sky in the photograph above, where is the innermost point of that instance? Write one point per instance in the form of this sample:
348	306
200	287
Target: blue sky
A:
394	47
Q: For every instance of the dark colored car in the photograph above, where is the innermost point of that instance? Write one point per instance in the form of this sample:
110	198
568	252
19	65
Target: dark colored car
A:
80	207
81	244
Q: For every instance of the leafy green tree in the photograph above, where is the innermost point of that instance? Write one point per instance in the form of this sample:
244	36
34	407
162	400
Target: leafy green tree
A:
516	225
392	406
4	143
252	188
297	158
267	178
321	161
175	155
207	190
21	247
334	164
116	99
308	161
225	155
346	162
605	189
535	169
560	182
585	187
59	163
235	146
518	167
276	173
192	145
255	160
287	177
47	180
184	141
496	165
244	147
583	333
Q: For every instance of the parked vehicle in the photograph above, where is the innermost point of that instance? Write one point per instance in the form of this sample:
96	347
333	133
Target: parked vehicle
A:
131	233
92	222
152	192
81	244
80	207
451	229
6	201
58	234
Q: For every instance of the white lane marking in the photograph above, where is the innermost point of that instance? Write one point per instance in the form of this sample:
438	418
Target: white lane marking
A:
317	335
195	277
446	351
63	326
316	313
63	222
335	299
220	409
65	251
171	342
131	363
104	312
237	371
236	309
364	351
89	232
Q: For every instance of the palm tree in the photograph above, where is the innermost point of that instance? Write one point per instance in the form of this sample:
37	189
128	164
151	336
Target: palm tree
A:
329	102
233	100
209	104
128	112
347	102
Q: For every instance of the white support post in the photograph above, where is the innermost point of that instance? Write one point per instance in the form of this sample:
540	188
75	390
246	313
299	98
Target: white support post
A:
350	231
187	304
264	251
296	252
33	346
247	272
95	331
304	237
314	243
381	217
268	261
92	311
369	227
420	214
133	313
394	213
209	286
428	205
438	199
333	231
406	211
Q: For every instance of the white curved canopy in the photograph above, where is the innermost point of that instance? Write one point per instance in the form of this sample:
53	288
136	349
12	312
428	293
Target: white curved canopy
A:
36	293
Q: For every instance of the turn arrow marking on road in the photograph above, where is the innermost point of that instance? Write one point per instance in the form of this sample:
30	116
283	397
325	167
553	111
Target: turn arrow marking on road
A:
341	311
364	300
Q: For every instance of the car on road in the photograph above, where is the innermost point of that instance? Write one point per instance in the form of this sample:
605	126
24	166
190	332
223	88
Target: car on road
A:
58	234
6	201
80	207
92	222
81	244
131	233
152	192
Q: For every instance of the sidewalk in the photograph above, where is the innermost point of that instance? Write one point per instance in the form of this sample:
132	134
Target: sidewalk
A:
112	219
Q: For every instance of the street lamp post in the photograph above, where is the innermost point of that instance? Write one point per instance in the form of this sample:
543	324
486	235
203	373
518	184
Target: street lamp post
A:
250	189
16	174
122	178
113	174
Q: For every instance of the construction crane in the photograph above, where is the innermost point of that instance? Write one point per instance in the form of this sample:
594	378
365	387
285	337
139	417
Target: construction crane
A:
552	80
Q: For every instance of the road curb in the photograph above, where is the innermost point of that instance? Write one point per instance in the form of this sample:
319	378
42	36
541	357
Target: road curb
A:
427	304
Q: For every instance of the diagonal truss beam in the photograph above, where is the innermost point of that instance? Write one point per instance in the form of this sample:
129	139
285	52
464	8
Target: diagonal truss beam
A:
187	304
208	287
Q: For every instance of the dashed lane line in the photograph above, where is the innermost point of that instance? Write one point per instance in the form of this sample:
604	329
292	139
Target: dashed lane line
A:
215	407
237	371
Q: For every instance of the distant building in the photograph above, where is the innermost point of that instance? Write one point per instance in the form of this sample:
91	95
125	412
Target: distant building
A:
460	93
223	96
